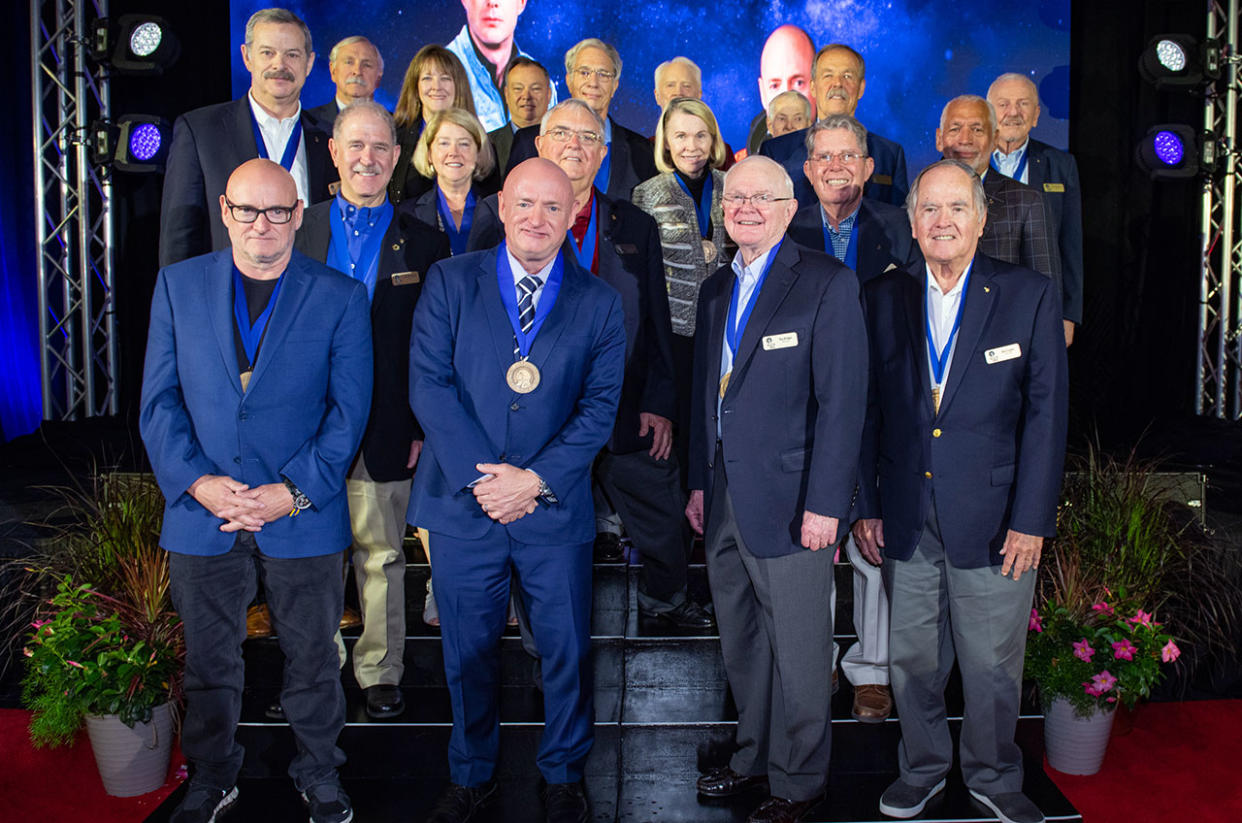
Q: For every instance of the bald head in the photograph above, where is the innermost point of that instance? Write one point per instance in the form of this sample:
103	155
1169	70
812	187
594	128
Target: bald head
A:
785	64
536	206
261	210
1016	101
758	223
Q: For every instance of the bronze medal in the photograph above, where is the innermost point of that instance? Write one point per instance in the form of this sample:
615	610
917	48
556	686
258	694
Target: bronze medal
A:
244	377
709	251
523	377
724	384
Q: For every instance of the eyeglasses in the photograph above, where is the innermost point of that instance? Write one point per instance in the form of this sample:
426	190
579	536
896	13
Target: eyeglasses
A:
587	138
604	75
757	200
845	157
276	215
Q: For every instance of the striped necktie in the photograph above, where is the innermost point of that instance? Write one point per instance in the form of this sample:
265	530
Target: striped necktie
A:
527	287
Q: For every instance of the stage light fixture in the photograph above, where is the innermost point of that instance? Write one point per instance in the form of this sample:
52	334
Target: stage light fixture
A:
1178	60
135	43
142	143
1170	151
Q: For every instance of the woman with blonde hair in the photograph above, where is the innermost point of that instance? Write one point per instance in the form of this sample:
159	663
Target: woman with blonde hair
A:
434	81
456	155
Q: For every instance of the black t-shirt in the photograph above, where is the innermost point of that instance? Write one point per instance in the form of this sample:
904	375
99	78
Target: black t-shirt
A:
258	294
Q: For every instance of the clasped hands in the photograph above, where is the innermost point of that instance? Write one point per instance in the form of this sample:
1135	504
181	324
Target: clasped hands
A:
507	493
238	505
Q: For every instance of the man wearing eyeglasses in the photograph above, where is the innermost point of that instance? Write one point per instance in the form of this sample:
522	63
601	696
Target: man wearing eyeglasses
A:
780	389
593	75
256	390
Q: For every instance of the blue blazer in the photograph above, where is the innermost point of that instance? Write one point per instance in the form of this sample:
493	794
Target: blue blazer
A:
1054	173
460	350
301	417
792	416
884	237
992	457
888	182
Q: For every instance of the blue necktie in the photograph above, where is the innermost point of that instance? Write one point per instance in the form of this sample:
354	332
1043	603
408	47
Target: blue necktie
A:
527	287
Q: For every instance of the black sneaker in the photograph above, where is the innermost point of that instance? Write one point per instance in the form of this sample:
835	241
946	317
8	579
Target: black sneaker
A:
685	615
566	803
328	803
204	804
459	804
608	548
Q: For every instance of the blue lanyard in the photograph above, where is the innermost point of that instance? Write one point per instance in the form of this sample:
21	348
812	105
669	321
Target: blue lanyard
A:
251	335
339	258
703	208
605	171
291	147
1017	174
851	248
735	325
457	235
941	359
508	296
586	253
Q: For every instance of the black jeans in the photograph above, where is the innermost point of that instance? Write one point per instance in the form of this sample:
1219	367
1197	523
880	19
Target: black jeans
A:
306	597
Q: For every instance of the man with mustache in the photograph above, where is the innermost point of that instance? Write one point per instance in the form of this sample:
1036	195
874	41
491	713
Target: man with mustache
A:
838	83
210	142
528	92
1048	170
356	68
361	234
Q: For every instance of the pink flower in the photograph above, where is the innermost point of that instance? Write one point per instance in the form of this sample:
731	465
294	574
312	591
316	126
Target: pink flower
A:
39	624
1100	684
1035	625
1170	652
1142	618
26	651
1103	608
75	663
1083	650
1124	650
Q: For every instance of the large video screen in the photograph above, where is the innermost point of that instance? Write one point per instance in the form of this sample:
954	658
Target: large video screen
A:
918	54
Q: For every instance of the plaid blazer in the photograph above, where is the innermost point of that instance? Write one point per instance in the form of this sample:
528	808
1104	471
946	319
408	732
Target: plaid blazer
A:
1020	229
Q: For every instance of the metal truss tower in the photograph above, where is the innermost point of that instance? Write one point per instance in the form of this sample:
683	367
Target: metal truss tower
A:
74	229
1218	362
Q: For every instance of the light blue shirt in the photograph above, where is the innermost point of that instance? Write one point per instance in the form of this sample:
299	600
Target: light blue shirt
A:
840	237
489	104
519	272
1008	163
747	279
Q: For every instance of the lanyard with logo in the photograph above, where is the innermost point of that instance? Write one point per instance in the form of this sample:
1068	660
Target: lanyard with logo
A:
251	333
735	323
508	296
940	360
291	147
703	208
339	257
457	235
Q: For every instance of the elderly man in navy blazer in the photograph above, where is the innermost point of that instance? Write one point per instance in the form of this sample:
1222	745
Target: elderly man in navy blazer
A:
779	392
208	143
958	484
516	365
1048	170
838	83
255	393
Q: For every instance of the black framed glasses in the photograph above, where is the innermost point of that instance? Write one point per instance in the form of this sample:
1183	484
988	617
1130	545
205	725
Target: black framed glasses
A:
276	215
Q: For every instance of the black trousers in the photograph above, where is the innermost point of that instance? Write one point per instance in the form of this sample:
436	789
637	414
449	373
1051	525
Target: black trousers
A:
306	597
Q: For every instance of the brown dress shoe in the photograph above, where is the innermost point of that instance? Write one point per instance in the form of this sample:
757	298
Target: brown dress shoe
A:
724	782
780	810
872	703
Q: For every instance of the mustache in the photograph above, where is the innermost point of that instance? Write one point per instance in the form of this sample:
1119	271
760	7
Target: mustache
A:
278	74
1015	120
364	168
356	80
837	94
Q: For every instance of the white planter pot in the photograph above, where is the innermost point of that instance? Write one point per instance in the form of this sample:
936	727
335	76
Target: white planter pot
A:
1076	745
132	761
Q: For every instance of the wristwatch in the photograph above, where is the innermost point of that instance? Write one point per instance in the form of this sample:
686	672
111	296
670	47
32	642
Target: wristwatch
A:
545	492
300	501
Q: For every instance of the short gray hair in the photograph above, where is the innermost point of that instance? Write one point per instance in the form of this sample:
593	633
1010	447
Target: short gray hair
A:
976	187
282	17
572	55
352	40
843	122
680	61
970	98
572	103
785	95
1011	76
783	181
359	108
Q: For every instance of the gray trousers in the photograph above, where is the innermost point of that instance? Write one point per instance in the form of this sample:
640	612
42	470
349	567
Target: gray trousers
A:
940	613
776	636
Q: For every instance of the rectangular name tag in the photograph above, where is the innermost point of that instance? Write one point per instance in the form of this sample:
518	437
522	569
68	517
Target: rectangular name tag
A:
1002	353
1058	187
404	278
780	341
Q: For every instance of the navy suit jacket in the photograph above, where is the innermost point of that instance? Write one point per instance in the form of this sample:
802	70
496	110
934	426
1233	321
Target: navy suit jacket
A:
325	115
1054	174
888	182
301	417
426	209
460	350
207	145
884	237
792	416
409	249
992	457
630	154
630	261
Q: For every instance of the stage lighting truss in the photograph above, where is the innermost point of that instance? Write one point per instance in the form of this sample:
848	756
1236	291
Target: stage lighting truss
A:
134	44
1180	61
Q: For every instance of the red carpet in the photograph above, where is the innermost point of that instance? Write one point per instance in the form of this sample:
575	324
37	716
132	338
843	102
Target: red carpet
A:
60	785
1180	763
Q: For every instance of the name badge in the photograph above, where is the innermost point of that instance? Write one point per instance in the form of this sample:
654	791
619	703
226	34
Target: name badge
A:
882	179
780	341
404	278
1002	353
1057	187
626	248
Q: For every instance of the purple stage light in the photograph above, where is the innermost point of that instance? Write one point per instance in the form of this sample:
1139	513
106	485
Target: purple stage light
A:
1169	148
144	142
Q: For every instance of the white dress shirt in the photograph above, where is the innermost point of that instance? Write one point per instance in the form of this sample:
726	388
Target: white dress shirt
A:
942	312
276	134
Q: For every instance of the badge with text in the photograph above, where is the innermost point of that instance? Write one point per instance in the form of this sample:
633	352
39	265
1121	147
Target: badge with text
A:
1002	353
1054	187
780	341
405	278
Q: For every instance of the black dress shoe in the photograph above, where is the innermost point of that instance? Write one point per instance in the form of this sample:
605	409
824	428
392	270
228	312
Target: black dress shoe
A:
685	615
608	548
274	711
780	810
724	782
384	700
460	804
566	803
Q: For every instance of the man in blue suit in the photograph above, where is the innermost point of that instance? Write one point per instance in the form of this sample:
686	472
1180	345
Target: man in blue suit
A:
838	84
779	390
255	393
516	364
958	483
